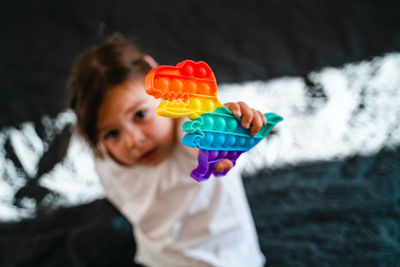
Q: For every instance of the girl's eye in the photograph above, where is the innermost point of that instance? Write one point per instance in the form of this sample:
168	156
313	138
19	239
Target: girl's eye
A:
111	134
140	115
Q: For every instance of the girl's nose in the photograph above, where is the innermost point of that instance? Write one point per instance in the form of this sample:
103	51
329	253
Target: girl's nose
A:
134	137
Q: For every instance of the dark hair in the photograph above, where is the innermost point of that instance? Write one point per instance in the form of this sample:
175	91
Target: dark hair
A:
95	71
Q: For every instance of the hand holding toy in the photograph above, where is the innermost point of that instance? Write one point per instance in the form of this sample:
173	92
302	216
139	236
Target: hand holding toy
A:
190	89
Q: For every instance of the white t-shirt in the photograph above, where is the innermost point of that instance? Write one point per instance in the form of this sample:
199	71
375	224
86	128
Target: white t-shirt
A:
178	221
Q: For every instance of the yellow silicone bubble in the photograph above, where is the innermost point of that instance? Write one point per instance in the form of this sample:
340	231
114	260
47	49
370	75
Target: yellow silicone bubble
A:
195	104
208	105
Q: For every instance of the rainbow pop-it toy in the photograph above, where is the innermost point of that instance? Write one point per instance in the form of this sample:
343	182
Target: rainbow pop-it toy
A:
190	89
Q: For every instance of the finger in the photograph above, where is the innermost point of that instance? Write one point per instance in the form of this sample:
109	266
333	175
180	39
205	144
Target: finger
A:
247	114
223	165
234	107
256	123
264	119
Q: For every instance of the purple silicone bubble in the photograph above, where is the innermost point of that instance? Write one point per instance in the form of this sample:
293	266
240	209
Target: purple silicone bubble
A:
208	159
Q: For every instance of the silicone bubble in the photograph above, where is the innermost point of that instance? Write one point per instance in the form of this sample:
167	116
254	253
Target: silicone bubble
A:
214	126
191	84
190	89
207	161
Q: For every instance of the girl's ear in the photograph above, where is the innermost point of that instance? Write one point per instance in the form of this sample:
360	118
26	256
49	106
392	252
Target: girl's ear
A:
151	61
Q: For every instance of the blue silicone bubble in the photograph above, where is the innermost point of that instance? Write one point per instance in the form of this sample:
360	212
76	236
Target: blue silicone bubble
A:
221	130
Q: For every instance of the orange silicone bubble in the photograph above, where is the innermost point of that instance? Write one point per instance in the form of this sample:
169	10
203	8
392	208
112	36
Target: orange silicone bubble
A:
191	84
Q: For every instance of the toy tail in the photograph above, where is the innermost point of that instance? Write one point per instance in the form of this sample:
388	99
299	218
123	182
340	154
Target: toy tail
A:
272	120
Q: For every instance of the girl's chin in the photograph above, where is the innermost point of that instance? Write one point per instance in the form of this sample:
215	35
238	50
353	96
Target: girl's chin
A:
152	158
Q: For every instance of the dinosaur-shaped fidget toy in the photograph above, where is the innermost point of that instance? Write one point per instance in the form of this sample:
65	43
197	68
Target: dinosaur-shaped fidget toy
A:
190	90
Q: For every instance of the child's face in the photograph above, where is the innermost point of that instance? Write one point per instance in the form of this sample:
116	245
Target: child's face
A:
129	127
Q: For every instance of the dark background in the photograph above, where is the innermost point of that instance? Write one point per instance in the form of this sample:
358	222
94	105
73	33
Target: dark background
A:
353	221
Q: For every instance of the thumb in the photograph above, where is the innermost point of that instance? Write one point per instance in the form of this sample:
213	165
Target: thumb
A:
223	165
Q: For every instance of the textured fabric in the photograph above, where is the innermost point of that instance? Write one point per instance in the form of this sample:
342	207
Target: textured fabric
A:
178	221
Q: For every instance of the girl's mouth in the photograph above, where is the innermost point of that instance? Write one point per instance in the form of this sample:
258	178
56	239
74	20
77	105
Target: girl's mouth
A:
149	155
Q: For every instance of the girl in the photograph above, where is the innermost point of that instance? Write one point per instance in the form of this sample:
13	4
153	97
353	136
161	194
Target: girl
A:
144	169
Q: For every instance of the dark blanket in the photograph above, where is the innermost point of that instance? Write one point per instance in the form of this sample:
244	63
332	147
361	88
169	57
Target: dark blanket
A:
335	213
